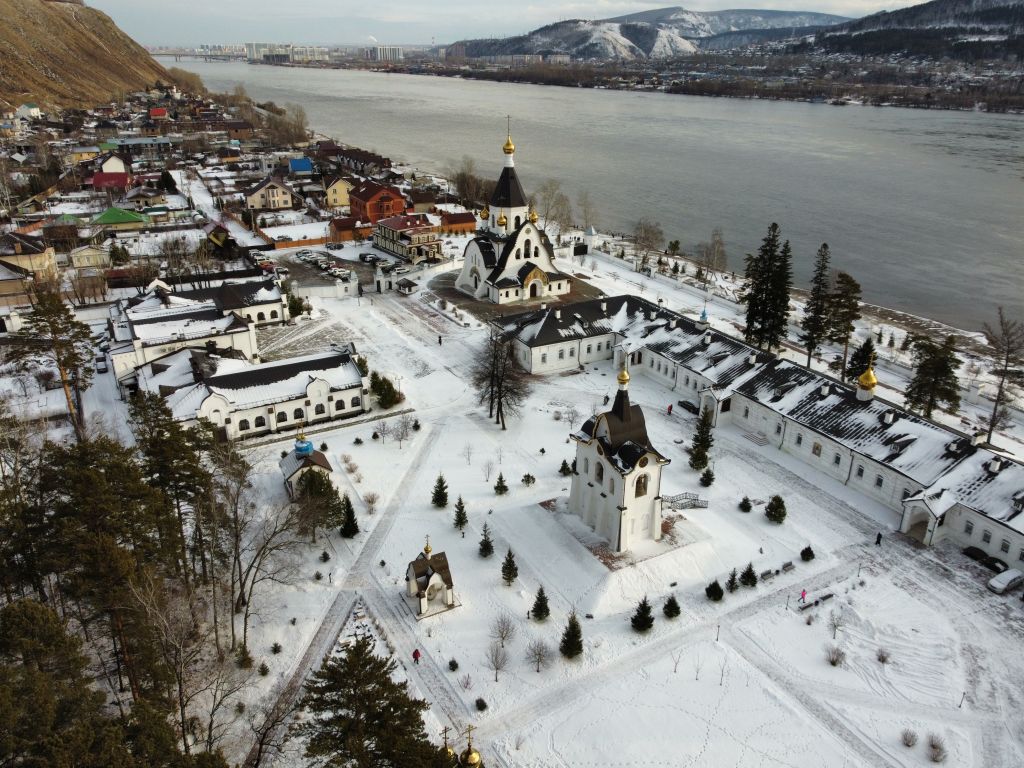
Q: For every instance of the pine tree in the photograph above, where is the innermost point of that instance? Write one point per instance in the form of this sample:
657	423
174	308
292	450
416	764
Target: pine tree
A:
572	638
934	381
565	469
775	509
359	716
707	477
745	505
349	524
862	357
671	609
748	578
540	610
320	506
776	327
643	619
702	440
844	311
733	583
878	336
486	545
461	518
814	325
440	497
714	591
509	569
500	487
769	277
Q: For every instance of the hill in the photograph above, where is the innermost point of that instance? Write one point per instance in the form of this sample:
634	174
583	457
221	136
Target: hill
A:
659	33
60	54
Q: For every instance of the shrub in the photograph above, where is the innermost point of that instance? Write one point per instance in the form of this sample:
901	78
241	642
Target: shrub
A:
375	435
275	648
748	578
936	748
775	510
292	621
564	469
453	665
283	454
714	591
357	441
671	609
500	487
745	505
318	576
264	670
883	655
243	658
809	620
416	425
807	554
481	705
909	737
707	477
529	479
835	655
323	446
239	707
325	556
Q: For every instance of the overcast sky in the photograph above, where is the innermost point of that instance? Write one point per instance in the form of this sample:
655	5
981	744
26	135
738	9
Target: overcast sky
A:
348	22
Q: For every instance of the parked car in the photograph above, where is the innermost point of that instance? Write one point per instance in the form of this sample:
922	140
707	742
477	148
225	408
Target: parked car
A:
995	564
976	554
369	258
304	253
1005	581
282	270
101	366
334	246
686	405
400	271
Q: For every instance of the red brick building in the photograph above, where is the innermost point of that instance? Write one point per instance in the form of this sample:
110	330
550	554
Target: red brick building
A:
458	223
370	202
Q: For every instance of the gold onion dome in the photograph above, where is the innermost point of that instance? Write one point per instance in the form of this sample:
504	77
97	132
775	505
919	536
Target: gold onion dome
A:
509	147
533	215
485	213
470	757
623	376
502	221
867	379
427	549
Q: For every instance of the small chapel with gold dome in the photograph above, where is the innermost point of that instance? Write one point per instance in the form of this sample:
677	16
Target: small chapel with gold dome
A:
511	258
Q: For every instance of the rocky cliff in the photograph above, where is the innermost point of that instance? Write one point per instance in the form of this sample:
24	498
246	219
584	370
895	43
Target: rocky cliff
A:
60	54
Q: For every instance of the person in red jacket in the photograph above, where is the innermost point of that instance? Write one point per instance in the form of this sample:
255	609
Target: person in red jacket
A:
416	656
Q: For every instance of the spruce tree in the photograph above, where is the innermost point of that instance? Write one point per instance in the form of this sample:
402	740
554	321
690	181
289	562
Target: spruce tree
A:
748	578
769	277
733	583
844	311
572	638
702	440
461	518
814	325
671	609
540	610
509	570
440	496
714	591
745	504
643	619
780	283
500	487
565	469
775	509
934	381
862	357
486	545
349	525
707	478
358	715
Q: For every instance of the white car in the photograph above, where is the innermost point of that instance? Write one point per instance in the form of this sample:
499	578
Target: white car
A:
1005	581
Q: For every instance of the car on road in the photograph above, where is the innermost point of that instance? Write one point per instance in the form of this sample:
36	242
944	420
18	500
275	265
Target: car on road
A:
686	405
282	270
994	564
305	253
369	258
400	271
976	554
334	246
1005	581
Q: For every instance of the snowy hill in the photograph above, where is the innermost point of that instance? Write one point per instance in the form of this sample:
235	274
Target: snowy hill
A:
992	15
661	33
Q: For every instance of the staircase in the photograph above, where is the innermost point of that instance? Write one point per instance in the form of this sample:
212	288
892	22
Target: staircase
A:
684	501
756	438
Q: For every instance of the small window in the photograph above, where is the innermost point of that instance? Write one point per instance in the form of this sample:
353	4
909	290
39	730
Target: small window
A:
261	316
543	357
816	449
586	466
611	485
282	416
588	348
273	314
778	429
746	413
650	363
299	413
243	425
1004	545
356	401
319	410
561	354
641	486
906	493
259	422
799	439
860	470
1020	555
837	459
986	536
968	527
339	405
878	481
572	352
599	472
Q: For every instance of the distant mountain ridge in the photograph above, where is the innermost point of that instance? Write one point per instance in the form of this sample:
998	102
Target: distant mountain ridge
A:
657	33
1005	15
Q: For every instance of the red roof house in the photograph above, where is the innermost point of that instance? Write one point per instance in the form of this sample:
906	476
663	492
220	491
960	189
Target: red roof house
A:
112	181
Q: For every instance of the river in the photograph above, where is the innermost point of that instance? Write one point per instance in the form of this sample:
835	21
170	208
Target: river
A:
924	208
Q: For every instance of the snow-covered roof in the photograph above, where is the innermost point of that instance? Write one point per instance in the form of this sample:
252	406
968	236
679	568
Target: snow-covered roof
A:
985	482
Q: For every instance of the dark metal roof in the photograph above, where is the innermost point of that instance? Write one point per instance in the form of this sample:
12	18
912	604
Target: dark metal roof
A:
271	373
508	192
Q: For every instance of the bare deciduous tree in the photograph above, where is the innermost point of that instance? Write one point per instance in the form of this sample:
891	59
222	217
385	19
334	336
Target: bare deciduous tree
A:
402	429
1006	339
538	653
648	236
677	656
503	629
267	726
698	664
488	470
836	621
587	209
497	659
572	415
382	428
467	453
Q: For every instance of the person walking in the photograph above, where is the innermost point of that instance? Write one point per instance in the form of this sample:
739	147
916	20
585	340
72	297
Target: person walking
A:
670	409
878	539
439	341
416	656
803	596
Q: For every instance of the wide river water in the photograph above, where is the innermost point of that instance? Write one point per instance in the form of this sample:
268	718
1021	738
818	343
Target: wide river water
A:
924	208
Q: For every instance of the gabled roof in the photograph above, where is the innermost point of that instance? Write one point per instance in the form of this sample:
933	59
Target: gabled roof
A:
621	433
292	464
508	192
16	244
466	217
115	215
424	567
231	295
264	183
104	180
371	190
985	482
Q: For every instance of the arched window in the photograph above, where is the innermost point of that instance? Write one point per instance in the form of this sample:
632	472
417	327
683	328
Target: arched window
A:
526	247
319	410
299	413
243	425
599	472
518	222
282	416
273	314
536	253
339	405
641	485
519	253
259	422
261	316
355	402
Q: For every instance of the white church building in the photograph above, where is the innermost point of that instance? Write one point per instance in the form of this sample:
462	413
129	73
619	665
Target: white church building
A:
616	481
510	259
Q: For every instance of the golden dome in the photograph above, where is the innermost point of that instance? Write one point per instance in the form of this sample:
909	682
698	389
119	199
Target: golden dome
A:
502	221
623	376
867	379
533	215
470	757
485	214
427	549
509	147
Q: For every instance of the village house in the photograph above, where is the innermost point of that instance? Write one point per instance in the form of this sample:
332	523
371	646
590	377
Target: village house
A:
116	219
346	229
28	255
270	195
336	192
511	258
370	202
461	223
412	237
15	289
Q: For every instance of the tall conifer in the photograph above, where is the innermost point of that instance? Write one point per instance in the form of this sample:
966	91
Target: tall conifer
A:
814	325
